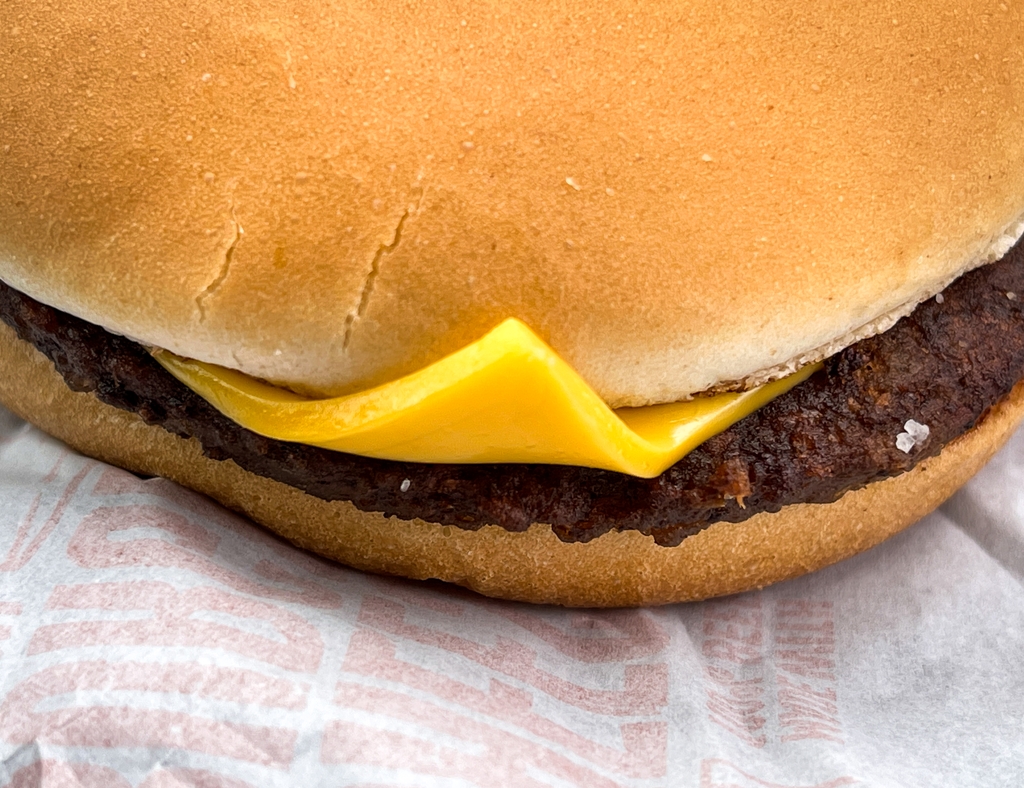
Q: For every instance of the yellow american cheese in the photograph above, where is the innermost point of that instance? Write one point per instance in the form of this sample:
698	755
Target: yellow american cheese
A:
507	397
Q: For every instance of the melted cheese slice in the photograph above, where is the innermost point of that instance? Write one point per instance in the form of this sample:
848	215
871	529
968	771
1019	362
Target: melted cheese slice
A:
507	397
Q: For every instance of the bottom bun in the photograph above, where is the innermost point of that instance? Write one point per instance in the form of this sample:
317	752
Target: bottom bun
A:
617	569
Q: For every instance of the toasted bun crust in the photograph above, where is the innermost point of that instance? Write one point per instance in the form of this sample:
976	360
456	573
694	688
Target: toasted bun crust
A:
616	569
674	195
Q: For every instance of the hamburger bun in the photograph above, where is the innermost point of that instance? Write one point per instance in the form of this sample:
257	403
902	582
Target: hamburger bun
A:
677	198
674	196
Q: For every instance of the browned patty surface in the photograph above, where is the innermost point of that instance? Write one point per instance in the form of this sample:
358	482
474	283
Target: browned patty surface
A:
944	366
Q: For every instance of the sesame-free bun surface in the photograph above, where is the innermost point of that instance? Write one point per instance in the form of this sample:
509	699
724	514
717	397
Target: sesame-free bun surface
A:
674	195
616	569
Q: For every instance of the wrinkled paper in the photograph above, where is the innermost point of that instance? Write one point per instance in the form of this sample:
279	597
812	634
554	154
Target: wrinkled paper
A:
150	638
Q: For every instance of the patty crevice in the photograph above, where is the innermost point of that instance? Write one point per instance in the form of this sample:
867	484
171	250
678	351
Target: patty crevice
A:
943	366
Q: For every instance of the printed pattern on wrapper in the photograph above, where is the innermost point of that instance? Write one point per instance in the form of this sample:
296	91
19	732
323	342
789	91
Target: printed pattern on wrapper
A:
149	638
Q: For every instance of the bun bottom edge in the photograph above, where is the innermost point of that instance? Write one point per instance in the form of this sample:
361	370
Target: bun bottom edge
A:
618	569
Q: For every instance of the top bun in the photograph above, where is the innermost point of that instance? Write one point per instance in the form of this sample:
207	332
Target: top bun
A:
675	195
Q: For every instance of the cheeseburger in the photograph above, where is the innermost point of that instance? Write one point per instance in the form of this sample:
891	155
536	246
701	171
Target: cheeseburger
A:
597	304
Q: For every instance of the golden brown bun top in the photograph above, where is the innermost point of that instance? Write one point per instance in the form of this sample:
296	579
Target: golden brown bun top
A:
674	194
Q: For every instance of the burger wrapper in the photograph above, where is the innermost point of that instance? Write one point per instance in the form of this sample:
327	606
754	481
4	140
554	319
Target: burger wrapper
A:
150	638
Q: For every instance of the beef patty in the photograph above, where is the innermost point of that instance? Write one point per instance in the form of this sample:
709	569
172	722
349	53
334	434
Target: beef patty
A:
944	366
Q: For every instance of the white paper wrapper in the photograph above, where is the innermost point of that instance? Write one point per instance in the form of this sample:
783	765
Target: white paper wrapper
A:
149	638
